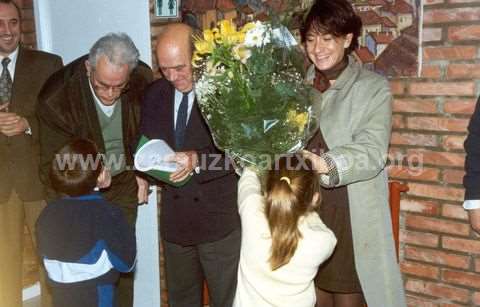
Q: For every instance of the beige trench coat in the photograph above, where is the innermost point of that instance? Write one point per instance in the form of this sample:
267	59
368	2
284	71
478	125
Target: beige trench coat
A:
355	118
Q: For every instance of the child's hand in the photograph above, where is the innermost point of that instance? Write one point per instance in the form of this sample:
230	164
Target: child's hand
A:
104	179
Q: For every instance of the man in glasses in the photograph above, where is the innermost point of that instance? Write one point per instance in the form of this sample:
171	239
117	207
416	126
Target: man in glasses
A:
98	97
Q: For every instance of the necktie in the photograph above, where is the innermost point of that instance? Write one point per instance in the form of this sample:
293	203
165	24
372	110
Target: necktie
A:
181	124
5	82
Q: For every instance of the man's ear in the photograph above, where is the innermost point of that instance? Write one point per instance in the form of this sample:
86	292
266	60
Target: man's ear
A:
88	67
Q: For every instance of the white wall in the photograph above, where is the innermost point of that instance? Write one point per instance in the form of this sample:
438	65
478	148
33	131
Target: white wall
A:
69	28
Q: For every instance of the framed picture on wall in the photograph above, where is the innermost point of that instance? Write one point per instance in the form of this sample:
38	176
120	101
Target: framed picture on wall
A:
167	8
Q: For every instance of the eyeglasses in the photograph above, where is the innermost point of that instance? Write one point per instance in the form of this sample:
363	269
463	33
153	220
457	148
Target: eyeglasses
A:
101	87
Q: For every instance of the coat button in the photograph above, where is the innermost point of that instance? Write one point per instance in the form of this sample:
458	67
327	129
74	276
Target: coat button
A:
195	199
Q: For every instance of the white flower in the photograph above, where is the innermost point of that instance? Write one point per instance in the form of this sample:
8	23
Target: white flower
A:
258	36
204	88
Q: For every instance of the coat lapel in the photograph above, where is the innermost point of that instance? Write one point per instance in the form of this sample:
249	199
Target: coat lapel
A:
90	110
23	75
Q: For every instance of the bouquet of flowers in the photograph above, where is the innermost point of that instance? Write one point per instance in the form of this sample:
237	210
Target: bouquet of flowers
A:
250	89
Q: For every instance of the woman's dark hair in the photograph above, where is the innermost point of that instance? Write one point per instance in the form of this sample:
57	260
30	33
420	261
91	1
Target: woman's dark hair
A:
335	17
75	168
289	192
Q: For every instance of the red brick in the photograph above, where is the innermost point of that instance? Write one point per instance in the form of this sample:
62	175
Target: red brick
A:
461	278
477	264
397	87
419	302
437	123
435	192
420	270
437	257
461	245
438	290
453	142
450	53
463	71
27	13
403	172
453	176
436	225
431	71
460	106
431	2
440	158
464	33
476	298
442	88
398	121
427	140
28	26
427	207
415	105
413	301
451	15
419	238
431	35
451	305
454	212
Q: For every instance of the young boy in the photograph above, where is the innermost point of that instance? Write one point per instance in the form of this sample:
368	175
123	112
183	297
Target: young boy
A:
83	240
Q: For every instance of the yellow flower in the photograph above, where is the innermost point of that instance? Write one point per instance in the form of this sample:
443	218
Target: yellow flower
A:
226	33
247	27
297	119
208	35
204	47
241	53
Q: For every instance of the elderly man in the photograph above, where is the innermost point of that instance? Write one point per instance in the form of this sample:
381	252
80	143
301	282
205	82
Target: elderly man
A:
98	97
21	193
200	226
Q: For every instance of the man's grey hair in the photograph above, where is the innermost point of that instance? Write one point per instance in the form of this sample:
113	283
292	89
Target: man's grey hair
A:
118	48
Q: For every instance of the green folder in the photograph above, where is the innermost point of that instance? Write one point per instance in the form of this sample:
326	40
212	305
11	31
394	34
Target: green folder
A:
163	176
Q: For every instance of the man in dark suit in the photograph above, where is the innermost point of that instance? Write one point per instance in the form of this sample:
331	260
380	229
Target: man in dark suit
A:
200	226
98	97
21	193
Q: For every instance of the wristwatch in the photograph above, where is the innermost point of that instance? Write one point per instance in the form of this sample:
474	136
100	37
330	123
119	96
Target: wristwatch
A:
28	131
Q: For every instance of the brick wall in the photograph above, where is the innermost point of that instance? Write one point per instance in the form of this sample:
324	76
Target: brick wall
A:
28	23
439	250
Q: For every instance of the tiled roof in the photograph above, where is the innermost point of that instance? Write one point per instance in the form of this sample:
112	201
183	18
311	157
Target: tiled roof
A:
399	58
365	55
382	37
370	18
400	7
388	23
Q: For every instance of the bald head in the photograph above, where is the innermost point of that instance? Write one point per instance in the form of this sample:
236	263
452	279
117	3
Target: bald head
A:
174	55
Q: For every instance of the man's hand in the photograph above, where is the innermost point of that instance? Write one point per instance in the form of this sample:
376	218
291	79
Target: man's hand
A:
12	124
104	179
142	193
187	161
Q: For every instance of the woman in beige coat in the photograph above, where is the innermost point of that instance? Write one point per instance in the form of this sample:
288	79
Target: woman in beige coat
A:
353	107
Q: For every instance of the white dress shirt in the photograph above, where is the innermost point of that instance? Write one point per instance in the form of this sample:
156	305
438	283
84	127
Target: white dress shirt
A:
13	61
178	100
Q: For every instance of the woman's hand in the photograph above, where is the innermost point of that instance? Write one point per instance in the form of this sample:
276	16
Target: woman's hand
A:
319	164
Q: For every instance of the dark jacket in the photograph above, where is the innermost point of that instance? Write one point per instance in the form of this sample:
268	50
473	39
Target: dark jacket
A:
84	243
19	154
205	209
472	161
66	110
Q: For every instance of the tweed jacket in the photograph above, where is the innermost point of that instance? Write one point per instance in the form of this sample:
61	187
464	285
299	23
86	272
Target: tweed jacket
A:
66	110
354	115
19	154
205	208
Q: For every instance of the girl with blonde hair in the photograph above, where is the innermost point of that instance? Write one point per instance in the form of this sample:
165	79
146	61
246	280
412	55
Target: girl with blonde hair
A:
283	238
